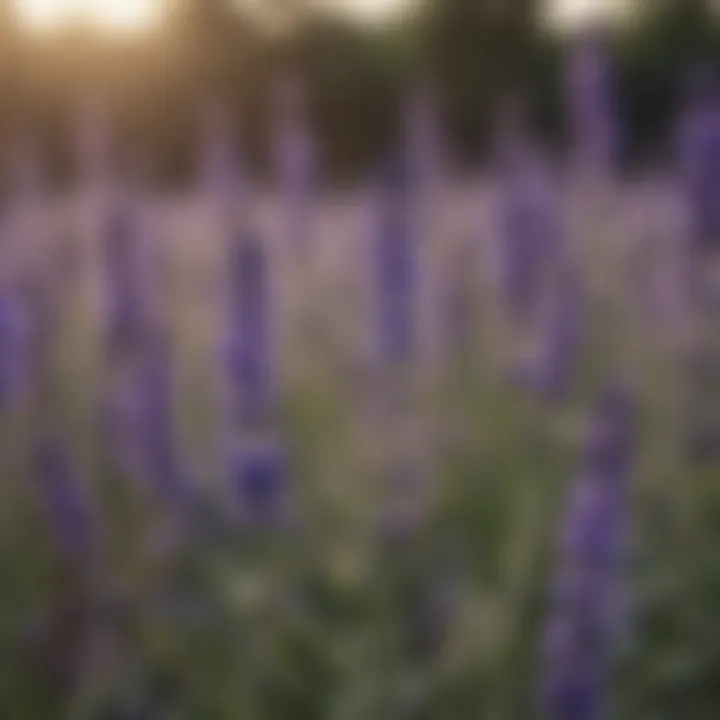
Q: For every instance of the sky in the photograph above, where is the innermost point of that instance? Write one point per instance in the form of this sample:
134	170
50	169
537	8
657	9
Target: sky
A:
139	15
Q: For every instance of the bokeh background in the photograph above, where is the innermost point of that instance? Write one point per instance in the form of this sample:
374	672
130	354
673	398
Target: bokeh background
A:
337	381
154	60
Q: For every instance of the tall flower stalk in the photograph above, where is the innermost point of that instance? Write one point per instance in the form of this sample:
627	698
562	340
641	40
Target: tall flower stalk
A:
700	166
699	149
296	172
125	319
221	172
257	463
591	99
66	503
155	424
562	337
249	335
585	608
530	233
396	269
259	476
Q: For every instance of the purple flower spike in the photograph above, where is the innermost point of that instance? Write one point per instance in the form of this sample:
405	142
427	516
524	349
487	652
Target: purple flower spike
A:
14	349
564	337
580	695
530	228
610	447
7	351
584	613
295	160
249	334
160	452
221	172
138	423
396	270
125	313
591	99
700	158
259	474
458	312
69	511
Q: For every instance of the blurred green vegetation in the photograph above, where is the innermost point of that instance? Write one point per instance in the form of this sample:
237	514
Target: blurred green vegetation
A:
326	619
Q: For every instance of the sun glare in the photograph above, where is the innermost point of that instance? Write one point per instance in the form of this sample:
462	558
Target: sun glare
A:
139	15
369	10
571	14
115	15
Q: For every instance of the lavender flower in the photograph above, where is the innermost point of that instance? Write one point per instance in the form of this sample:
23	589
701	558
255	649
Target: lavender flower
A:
259	475
160	452
584	606
457	306
295	162
422	137
221	174
7	350
119	420
564	335
530	231
249	334
14	348
67	504
38	305
396	270
125	321
138	423
700	159
591	104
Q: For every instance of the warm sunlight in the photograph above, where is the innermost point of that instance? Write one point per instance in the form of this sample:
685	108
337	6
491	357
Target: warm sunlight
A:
129	15
570	14
116	15
137	15
372	10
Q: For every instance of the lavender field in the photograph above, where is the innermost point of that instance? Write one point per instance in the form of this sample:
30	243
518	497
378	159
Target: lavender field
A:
447	535
441	446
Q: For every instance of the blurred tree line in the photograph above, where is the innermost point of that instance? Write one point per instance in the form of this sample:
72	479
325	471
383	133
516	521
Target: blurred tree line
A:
473	52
